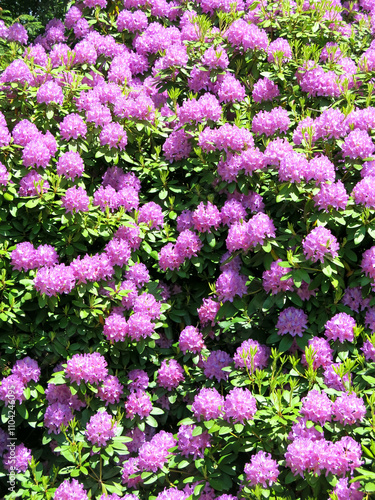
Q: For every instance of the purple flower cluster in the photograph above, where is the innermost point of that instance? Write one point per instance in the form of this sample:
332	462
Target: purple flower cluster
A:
319	243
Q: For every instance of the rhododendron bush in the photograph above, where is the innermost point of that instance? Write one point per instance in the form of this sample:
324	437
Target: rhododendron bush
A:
187	216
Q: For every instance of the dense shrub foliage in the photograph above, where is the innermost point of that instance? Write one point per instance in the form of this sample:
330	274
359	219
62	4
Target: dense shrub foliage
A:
187	220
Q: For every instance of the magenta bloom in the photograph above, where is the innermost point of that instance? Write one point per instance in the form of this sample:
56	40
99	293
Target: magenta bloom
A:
206	217
138	403
317	407
292	321
26	369
71	165
90	368
208	404
19	462
318	243
73	127
322	353
272	279
11	390
75	200
100	428
207	312
170	374
349	409
214	364
358	144
192	445
70	489
252	355
57	414
340	327
262	469
191	340
240	405
229	284
111	390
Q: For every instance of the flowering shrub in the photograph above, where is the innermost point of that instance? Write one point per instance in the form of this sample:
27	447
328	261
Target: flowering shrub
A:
187	224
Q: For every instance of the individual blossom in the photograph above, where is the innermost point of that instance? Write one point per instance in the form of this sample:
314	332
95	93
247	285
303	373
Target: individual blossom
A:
206	217
271	279
232	211
113	135
170	374
90	368
320	169
293	167
75	199
140	326
50	92
188	244
192	445
349	409
331	195
191	340
358	144
262	469
345	491
4	175
100	429
317	407
177	146
368	262
36	154
130	468
368	349
292	321
63	395
70	489
154	454
138	403
17	33
57	414
215	57
214	364
354	300
115	327
319	243
340	327
71	165
321	353
208	404
73	127
11	390
110	390
118	252
270	122
252	355
148	305
229	284
265	90
230	89
33	184
363	192
305	131
208	311
24	257
26	369
151	214
19	460
279	49
138	274
239	405
54	280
